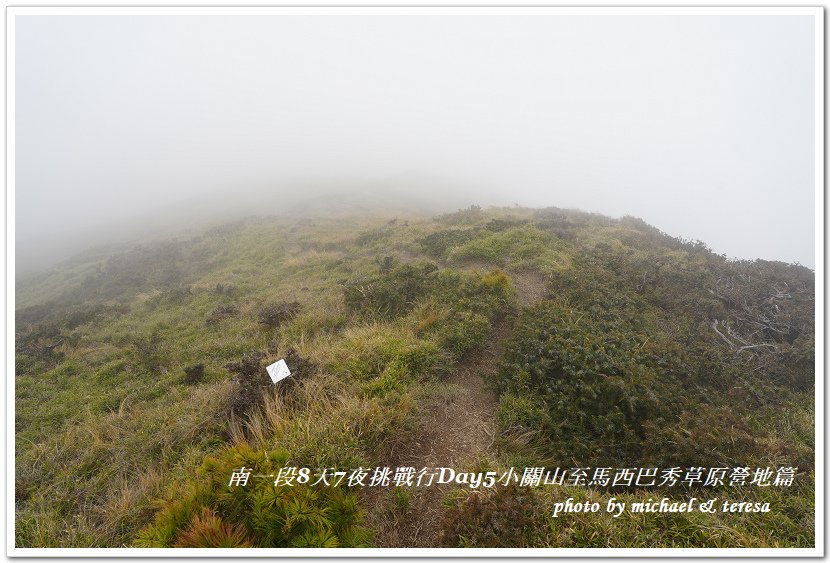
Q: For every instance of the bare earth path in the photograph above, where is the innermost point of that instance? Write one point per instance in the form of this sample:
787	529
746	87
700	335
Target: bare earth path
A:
456	429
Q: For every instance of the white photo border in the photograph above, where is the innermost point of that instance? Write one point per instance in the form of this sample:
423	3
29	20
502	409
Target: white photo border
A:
817	551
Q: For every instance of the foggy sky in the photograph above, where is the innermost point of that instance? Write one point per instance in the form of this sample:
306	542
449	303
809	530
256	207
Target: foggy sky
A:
701	125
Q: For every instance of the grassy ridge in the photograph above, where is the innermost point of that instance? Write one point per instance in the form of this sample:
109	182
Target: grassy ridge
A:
646	349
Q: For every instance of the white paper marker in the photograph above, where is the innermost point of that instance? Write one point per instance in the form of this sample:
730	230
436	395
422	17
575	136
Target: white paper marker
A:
278	371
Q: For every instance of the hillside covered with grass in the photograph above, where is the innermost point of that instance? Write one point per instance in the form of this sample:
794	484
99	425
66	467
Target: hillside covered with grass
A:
479	340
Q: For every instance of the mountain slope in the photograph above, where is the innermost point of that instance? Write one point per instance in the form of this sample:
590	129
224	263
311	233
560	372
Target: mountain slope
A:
140	384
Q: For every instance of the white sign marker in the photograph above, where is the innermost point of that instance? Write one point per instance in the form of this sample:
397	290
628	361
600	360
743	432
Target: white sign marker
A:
278	371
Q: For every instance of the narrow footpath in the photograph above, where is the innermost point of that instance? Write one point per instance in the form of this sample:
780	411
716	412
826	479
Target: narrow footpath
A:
454	432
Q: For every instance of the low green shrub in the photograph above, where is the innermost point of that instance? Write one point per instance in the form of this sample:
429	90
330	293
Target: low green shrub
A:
194	374
505	516
221	312
148	352
250	381
392	293
590	376
213	512
459	332
276	314
513	245
437	244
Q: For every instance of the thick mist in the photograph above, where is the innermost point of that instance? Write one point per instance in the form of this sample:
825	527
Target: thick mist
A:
127	125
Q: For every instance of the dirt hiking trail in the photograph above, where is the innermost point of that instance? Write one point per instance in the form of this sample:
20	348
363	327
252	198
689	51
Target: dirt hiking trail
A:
455	430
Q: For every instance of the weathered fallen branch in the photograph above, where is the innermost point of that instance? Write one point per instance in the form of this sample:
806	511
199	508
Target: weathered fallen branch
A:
725	339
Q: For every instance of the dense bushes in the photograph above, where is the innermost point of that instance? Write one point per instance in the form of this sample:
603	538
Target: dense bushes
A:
586	381
610	371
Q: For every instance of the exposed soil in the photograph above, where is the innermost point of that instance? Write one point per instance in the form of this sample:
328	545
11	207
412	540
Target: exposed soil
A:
455	430
531	287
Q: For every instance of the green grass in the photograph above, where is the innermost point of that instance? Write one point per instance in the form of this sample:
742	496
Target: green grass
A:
110	439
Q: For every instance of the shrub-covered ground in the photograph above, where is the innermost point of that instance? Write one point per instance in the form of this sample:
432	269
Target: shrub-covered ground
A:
140	382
